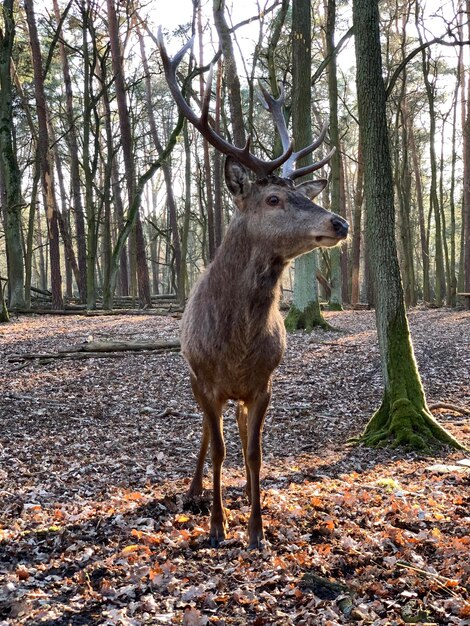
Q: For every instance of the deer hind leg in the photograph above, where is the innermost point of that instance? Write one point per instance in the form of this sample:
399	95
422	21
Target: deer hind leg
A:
212	409
195	488
242	415
256	413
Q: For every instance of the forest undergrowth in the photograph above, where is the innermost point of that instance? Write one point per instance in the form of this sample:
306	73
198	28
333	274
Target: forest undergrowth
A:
96	455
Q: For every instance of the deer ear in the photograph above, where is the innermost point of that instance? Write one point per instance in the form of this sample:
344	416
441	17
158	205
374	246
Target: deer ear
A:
312	188
236	177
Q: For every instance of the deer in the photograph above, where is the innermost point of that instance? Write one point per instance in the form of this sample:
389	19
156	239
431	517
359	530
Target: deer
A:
232	331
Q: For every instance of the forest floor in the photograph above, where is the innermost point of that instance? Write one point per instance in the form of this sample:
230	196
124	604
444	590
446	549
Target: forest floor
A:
96	455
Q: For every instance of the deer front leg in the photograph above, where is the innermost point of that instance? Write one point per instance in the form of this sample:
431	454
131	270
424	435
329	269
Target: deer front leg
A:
195	488
218	520
256	413
242	413
213	431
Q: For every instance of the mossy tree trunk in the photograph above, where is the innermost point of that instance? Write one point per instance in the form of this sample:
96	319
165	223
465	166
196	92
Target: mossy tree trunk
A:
305	311
403	417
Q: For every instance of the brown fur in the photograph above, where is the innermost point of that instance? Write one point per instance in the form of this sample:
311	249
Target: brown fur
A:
232	333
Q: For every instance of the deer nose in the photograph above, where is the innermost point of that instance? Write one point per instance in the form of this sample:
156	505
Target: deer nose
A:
340	226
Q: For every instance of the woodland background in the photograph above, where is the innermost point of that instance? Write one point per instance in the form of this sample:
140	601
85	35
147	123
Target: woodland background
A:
102	197
109	200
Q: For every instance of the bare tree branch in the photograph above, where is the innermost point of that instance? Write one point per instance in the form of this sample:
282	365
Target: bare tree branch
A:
413	53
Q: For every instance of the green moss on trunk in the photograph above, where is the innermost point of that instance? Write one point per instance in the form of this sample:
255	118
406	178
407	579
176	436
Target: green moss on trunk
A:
335	306
403	418
308	319
400	423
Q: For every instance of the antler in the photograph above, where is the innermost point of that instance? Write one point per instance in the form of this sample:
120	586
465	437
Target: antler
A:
258	166
275	107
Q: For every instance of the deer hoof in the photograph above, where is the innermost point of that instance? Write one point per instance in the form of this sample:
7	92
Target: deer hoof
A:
255	537
215	540
217	535
256	545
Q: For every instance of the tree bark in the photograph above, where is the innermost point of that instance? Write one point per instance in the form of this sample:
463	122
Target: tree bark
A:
433	195
357	226
403	417
466	181
423	230
45	159
305	310
126	142
87	161
72	142
231	74
336	299
9	168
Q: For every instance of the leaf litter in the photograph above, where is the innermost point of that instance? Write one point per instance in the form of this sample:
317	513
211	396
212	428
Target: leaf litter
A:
96	456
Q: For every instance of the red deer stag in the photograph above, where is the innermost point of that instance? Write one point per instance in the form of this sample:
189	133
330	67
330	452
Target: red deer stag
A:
232	333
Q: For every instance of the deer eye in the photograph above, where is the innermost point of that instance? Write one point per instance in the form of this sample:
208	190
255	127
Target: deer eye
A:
273	200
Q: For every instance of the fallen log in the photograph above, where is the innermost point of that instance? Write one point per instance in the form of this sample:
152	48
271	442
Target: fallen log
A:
49	356
101	349
124	346
174	312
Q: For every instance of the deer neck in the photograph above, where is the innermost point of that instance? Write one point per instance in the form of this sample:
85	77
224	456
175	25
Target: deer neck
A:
249	269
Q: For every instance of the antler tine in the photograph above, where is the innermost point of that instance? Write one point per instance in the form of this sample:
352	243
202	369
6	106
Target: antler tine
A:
308	169
258	166
169	66
275	106
313	146
207	97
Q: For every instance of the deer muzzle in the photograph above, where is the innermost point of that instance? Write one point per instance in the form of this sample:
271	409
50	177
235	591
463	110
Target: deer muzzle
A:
340	226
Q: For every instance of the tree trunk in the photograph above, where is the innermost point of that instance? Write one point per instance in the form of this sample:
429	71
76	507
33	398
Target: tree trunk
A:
403	186
343	202
126	142
466	181
72	142
9	169
207	172
357	219
217	161
45	159
433	195
231	74
133	209
403	417
30	234
63	218
403	180
336	300
423	230
187	217
167	173
452	225
87	165
305	310
123	261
